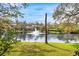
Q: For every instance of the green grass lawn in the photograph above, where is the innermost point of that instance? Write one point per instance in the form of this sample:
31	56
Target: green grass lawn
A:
41	49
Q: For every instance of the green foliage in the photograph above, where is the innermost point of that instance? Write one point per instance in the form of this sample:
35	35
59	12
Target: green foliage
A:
7	32
67	27
76	46
5	42
1	31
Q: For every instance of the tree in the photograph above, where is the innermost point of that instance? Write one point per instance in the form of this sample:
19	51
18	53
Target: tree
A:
11	10
67	12
67	27
7	12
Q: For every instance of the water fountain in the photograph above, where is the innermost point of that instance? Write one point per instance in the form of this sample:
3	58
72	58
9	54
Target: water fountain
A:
35	32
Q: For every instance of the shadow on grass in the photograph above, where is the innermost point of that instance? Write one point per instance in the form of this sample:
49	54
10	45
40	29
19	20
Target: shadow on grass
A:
57	47
34	50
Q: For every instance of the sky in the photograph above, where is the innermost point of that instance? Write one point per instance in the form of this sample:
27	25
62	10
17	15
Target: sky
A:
35	12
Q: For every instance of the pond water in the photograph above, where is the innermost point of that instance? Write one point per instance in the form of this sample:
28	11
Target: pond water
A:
24	37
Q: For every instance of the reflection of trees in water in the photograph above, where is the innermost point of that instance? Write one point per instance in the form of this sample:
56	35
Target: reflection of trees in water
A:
31	37
63	37
24	36
41	36
68	37
21	35
54	36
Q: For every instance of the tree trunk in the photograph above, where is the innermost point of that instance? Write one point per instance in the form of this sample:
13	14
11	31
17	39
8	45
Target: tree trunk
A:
46	32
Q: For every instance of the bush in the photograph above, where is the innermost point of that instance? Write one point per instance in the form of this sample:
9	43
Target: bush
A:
6	41
77	49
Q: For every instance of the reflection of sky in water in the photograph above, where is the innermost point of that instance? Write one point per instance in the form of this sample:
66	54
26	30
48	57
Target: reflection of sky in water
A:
51	37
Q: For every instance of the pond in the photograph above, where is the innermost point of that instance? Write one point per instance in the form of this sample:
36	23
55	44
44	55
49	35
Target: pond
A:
24	37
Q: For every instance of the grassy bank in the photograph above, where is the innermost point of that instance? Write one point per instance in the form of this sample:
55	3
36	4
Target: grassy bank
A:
41	49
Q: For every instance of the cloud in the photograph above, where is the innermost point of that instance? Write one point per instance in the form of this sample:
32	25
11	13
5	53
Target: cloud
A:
39	9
